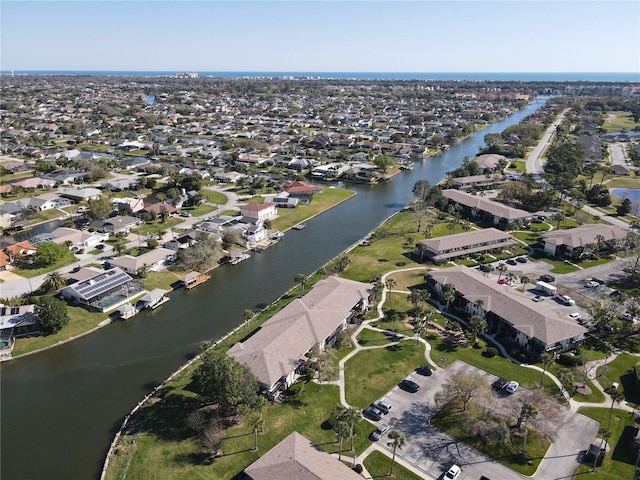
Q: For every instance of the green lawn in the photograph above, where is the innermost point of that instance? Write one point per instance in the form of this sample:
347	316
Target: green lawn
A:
215	198
370	374
80	321
156	226
616	121
368	337
68	259
162	280
378	465
620	459
330	197
619	371
165	448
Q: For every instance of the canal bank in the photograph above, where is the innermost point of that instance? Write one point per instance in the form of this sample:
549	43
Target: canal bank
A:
62	408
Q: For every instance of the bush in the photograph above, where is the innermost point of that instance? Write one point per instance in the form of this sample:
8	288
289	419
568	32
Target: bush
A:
358	468
570	360
490	352
296	388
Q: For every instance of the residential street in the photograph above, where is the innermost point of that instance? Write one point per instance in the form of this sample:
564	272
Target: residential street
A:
534	161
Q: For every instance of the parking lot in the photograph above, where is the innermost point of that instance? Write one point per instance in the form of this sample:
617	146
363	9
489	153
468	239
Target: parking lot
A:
427	448
433	451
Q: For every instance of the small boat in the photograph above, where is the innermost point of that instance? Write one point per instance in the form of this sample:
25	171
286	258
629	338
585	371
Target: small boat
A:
299	226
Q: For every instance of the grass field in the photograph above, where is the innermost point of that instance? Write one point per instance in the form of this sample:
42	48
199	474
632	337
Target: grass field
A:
616	121
619	460
379	465
160	446
330	197
68	259
370	374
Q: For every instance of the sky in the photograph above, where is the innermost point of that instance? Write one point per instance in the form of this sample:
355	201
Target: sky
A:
327	36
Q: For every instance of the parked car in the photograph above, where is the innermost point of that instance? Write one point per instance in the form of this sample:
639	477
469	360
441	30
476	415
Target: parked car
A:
80	252
373	413
101	246
379	432
453	473
511	261
485	267
499	384
575	316
615	294
185	214
547	278
512	386
425	370
409	386
592	284
503	281
566	300
538	298
384	407
522	259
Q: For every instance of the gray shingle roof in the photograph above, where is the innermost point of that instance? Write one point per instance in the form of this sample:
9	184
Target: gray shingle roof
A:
486	205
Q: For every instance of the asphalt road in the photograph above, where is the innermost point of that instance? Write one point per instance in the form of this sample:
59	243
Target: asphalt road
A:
534	161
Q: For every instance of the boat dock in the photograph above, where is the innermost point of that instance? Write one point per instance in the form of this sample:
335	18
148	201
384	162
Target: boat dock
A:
193	279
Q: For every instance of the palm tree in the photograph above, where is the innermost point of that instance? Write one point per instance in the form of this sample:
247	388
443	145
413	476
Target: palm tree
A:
414	297
341	428
322	272
477	325
248	315
616	396
351	416
143	270
528	411
525	281
558	217
420	330
398	440
256	422
546	359
449	294
421	249
391	283
54	281
301	280
502	267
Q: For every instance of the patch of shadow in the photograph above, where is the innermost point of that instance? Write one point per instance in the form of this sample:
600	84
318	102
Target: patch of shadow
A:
624	451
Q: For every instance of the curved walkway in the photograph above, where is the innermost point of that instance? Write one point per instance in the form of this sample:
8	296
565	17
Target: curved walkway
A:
573	404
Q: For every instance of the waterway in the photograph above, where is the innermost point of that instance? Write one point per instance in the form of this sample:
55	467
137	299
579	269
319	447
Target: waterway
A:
61	408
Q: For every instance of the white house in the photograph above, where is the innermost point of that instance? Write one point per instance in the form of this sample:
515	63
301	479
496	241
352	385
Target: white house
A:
260	211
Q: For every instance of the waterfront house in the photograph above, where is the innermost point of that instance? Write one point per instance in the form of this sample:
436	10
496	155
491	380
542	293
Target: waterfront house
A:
277	351
475	181
153	299
48	201
490	161
301	190
442	249
103	290
77	238
296	458
581	241
508	312
259	211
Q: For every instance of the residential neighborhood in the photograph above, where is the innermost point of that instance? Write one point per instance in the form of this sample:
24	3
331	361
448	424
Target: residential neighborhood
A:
491	311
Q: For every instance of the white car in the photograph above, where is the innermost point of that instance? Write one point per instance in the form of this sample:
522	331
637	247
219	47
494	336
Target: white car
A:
453	473
512	386
575	316
379	432
592	284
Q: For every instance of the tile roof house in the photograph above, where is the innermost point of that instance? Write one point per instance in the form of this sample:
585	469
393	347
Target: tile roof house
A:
583	240
78	238
445	248
495	212
121	223
275	352
260	211
508	312
296	458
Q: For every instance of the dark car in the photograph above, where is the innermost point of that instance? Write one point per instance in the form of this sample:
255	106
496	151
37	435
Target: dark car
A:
425	370
511	261
80	252
373	413
547	278
101	246
522	259
499	384
615	294
485	267
409	386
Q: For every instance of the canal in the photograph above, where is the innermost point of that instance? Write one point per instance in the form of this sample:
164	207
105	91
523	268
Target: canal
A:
61	408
